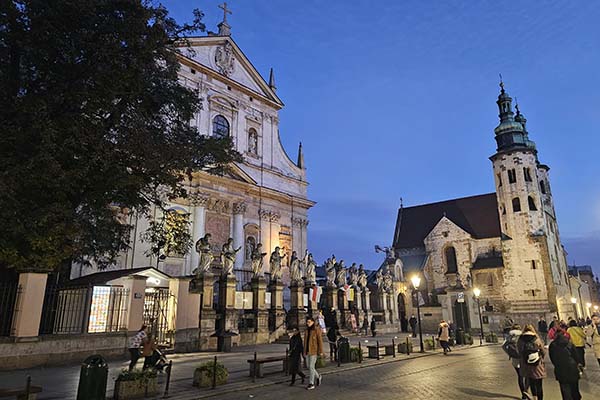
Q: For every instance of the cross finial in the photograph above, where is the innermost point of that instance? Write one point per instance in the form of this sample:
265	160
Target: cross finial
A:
501	83
517	105
225	10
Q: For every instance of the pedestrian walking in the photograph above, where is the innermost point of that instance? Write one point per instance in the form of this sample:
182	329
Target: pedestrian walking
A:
413	325
577	337
373	327
507	325
532	365
134	346
365	325
321	322
511	349
296	353
353	323
543	329
566	366
444	337
559	326
595	334
313	348
332	337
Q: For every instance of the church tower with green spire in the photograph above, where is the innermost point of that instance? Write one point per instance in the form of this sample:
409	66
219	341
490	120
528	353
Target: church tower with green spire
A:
535	268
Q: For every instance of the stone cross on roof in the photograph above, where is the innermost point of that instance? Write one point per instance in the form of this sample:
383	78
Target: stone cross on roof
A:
225	11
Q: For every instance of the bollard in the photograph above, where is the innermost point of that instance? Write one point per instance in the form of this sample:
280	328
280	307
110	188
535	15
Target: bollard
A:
377	343
432	343
407	346
359	353
393	348
28	386
169	367
254	369
214	377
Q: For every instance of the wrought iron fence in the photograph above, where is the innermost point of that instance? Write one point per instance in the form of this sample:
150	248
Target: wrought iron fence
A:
156	312
9	296
84	309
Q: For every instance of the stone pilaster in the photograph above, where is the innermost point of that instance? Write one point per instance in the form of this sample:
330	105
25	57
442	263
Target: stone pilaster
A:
259	289
331	298
276	312
343	313
297	313
227	300
382	300
359	305
207	315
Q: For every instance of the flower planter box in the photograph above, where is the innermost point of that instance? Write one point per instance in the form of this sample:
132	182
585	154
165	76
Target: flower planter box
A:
136	389
204	379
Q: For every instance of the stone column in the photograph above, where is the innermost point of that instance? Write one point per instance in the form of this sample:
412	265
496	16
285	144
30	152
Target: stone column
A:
238	232
277	313
366	303
184	318
297	313
359	306
342	313
331	299
207	315
393	308
227	299
382	299
135	309
198	227
259	289
28	310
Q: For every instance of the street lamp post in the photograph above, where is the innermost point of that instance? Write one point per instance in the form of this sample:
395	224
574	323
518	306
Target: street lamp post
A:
416	281
477	293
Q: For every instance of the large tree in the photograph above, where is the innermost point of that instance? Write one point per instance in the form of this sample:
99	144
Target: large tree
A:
93	122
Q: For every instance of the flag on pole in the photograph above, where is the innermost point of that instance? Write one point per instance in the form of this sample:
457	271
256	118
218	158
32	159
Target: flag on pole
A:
315	293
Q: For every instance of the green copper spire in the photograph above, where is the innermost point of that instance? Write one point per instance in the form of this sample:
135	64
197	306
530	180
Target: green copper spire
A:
510	133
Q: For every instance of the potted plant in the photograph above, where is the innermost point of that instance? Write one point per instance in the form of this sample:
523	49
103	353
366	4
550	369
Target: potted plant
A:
355	354
136	384
468	338
429	343
203	375
321	362
491	337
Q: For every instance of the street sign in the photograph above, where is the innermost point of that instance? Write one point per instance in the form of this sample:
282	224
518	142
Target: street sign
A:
460	297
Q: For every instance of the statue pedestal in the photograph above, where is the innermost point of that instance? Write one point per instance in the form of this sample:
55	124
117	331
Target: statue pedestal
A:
259	290
331	299
230	315
313	306
343	312
366	303
358	304
382	300
276	312
393	308
207	315
297	313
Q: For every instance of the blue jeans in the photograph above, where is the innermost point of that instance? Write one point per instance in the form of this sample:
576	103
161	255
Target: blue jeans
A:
312	369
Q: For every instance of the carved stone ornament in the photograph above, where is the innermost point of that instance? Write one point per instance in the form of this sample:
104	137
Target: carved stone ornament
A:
224	59
218	205
239	208
301	222
198	199
269	215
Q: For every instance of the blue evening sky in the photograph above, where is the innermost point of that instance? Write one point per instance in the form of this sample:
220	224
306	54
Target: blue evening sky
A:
397	99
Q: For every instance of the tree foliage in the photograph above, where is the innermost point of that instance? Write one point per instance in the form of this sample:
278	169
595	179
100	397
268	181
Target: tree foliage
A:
94	123
169	235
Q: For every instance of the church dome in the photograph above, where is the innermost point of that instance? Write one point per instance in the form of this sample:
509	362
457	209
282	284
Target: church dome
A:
508	126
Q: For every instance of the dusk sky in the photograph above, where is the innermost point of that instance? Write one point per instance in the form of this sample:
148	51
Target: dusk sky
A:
397	99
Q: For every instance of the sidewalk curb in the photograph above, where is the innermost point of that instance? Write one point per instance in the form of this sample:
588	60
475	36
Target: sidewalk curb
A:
334	370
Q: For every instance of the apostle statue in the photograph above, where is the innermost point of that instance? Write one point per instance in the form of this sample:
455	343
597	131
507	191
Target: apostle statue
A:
341	274
388	280
330	269
295	271
379	280
311	269
228	255
362	277
392	262
275	264
353	273
257	261
206	256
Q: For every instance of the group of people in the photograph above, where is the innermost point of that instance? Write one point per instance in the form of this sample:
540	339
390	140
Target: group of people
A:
527	349
143	344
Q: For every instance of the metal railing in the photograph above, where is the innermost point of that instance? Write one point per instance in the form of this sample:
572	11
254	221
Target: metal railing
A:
84	309
9	296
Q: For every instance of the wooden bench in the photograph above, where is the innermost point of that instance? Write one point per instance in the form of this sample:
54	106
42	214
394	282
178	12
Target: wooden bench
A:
19	394
257	368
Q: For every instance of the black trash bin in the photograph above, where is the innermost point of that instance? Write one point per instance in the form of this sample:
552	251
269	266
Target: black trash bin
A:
93	378
460	336
343	349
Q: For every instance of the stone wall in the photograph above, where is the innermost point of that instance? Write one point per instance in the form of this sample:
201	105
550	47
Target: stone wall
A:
60	349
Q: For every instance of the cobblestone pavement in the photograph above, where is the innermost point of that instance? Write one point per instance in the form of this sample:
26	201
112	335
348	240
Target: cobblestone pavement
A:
476	373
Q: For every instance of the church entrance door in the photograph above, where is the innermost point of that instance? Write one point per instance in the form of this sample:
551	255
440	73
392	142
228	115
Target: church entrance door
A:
402	313
461	316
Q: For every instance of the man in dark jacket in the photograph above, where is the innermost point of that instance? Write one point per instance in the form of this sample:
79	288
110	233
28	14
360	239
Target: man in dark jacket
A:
543	330
413	325
564	358
332	337
296	352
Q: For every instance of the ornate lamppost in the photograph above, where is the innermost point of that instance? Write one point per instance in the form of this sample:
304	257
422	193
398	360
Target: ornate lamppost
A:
416	281
477	293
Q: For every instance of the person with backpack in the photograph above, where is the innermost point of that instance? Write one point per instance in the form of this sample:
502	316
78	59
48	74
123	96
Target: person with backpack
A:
566	369
578	339
444	337
510	348
531	362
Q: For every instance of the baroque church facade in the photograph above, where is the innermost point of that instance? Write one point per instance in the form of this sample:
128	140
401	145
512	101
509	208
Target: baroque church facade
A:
262	199
505	243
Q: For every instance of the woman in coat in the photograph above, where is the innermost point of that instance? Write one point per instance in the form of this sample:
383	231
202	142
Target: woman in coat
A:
444	337
313	348
566	367
296	353
532	366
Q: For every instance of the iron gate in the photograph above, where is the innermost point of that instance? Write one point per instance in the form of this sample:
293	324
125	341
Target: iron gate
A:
156	312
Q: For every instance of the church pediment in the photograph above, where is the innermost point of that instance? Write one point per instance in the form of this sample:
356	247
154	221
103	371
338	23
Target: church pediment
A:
446	228
236	173
222	55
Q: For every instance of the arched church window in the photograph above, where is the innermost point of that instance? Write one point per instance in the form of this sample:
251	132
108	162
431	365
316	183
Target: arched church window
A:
531	202
543	187
451	265
252	141
220	127
516	204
